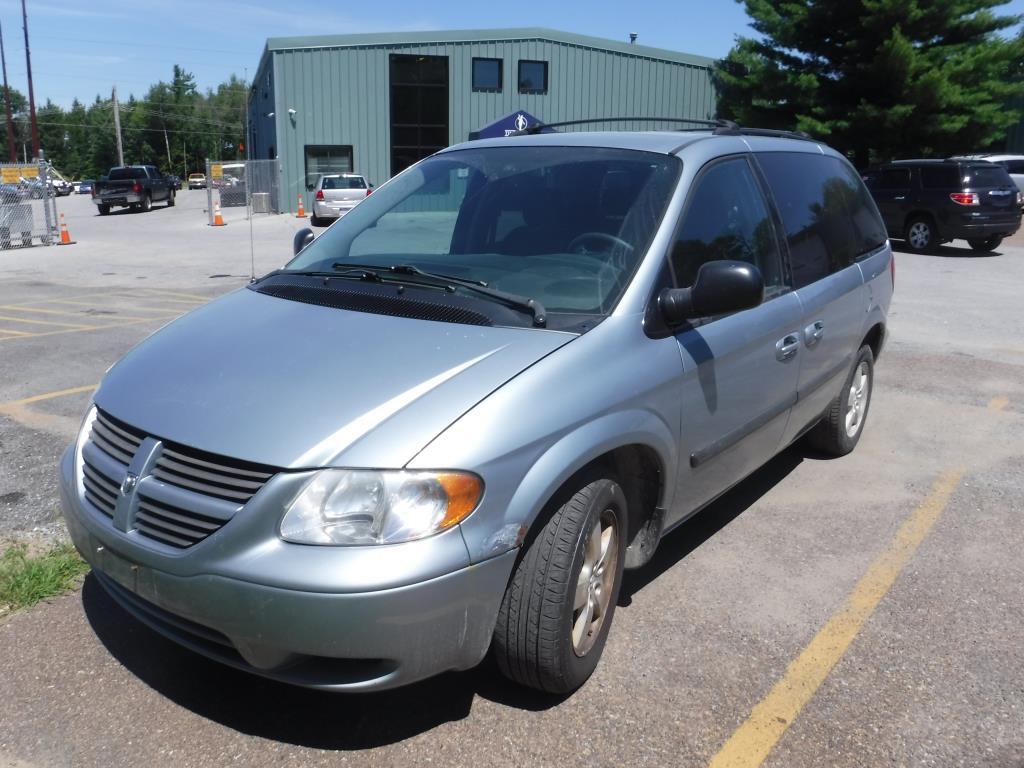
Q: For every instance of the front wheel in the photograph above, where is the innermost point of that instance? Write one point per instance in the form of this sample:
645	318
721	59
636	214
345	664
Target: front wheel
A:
557	610
986	244
840	428
920	234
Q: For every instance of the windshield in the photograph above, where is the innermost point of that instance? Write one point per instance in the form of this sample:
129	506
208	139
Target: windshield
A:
565	226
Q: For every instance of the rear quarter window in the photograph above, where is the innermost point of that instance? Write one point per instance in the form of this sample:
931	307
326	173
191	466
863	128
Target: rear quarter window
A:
940	177
991	176
828	215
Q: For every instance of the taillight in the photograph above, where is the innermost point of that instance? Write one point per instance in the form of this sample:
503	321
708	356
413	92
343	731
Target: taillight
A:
136	187
319	194
92	191
965	198
368	191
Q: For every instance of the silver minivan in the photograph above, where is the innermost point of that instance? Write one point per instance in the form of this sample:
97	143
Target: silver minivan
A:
450	422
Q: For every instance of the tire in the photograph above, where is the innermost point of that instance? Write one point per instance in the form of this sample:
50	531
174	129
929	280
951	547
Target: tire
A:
840	428
315	221
170	199
146	205
987	244
104	209
920	234
543	638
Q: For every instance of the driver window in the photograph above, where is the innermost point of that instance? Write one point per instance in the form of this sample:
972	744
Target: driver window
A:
727	219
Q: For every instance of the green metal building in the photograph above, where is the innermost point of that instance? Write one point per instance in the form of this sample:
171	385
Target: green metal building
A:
376	103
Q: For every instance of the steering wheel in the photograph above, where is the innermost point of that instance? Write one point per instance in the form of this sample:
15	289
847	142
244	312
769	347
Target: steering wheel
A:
611	240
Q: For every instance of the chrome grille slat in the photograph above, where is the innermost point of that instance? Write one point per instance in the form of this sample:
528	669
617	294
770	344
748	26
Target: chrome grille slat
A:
99	503
109	448
228	466
98	490
147	519
208	526
108	434
224	478
205	488
98	477
124	431
162	536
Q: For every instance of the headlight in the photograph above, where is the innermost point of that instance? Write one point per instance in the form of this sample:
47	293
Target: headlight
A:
83	435
356	506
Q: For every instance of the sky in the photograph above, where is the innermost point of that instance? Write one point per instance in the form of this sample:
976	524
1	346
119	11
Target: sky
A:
81	48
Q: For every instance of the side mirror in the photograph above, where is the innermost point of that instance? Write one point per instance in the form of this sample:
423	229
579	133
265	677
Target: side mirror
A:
720	287
302	238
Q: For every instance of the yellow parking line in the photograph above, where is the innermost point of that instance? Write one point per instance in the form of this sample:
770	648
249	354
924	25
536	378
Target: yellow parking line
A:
15	333
998	403
751	743
160	292
169	300
65	313
73	296
89	328
44	322
131	308
47	396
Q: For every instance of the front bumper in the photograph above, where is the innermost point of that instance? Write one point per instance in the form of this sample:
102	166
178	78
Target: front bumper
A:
314	635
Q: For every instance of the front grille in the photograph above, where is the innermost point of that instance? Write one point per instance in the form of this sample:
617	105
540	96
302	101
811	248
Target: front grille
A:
210	475
100	490
174	526
196	493
115	438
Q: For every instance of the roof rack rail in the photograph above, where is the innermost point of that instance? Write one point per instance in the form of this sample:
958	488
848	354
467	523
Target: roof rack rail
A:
720	127
538	127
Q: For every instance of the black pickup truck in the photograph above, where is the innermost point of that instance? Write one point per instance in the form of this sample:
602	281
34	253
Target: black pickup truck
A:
132	186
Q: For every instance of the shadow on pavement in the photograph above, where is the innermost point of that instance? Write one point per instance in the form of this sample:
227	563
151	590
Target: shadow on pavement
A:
272	710
321	720
946	251
710	520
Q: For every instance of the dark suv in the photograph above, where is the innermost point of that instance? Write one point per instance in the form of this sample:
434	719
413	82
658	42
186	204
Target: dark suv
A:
928	202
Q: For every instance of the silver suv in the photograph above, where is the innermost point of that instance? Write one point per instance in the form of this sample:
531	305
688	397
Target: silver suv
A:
449	423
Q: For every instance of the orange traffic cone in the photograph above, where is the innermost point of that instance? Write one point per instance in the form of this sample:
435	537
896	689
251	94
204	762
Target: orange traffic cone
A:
218	220
65	238
302	211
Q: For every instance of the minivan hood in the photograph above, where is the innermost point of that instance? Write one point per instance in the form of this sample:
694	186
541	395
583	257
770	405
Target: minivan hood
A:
295	385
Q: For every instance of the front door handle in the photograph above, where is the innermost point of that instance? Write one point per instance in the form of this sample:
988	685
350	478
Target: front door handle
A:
900	197
787	347
814	332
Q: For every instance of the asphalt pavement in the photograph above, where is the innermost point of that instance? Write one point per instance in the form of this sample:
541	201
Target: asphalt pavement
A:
864	611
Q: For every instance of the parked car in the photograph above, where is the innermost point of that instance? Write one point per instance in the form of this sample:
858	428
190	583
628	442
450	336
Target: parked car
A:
75	185
449	423
132	186
1014	165
929	202
85	187
13	193
197	181
335	194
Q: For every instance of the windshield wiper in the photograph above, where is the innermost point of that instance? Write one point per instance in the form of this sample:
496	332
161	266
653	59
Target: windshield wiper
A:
523	303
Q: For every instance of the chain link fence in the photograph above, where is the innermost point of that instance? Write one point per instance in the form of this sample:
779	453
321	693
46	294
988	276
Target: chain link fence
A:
28	204
241	188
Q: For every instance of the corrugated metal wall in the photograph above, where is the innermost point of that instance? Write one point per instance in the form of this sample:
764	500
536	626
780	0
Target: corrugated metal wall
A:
341	96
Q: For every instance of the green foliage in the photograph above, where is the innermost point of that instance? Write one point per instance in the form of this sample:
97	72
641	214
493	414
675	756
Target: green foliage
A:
173	119
877	79
24	580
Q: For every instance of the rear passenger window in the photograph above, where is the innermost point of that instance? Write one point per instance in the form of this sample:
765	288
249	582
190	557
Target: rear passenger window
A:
940	177
727	218
868	229
893	178
815	196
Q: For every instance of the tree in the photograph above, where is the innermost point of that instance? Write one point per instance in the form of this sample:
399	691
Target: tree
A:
877	79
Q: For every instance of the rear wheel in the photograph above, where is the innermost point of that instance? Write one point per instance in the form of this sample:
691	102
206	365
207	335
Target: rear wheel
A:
987	244
840	428
920	234
557	610
146	204
170	199
104	209
315	220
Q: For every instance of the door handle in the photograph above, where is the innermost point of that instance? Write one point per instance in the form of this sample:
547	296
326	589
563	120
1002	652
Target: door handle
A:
900	197
814	332
787	347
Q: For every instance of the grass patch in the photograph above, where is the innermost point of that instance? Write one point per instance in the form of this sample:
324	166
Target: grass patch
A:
25	580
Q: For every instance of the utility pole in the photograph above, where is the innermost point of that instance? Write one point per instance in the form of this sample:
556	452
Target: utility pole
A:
117	128
168	145
31	95
12	150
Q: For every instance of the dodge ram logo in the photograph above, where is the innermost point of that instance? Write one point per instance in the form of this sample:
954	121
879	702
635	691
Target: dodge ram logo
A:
129	483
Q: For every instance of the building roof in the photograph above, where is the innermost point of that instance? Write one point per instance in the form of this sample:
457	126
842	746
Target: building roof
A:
481	36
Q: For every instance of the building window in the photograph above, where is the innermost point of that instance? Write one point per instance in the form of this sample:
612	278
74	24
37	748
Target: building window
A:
533	76
326	158
487	75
